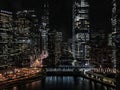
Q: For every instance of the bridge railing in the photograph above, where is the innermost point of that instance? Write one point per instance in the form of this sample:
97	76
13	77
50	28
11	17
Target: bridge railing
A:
66	69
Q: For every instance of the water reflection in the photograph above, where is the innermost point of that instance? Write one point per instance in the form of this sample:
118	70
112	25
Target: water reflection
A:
61	83
14	88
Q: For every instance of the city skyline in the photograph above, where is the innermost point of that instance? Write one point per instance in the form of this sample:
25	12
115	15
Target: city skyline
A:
59	44
61	14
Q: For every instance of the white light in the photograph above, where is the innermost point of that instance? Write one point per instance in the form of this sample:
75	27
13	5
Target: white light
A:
77	18
33	15
86	64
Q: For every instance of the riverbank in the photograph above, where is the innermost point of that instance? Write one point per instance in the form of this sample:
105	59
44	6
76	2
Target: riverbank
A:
23	79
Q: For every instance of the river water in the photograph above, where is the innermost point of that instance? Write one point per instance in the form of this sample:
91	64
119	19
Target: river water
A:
60	83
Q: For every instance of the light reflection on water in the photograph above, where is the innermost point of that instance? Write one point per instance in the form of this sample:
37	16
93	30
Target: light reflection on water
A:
60	83
14	88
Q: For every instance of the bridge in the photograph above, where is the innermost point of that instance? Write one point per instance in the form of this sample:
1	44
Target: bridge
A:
71	70
81	71
65	71
62	71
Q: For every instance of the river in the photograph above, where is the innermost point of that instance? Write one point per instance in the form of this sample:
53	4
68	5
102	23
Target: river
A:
60	83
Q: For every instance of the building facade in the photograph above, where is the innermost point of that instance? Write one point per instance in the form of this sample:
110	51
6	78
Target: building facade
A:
114	24
116	32
20	38
44	26
81	30
58	47
51	49
54	48
6	38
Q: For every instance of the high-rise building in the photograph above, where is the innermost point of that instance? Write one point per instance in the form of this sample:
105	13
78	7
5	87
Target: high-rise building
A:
6	38
81	30
19	37
66	50
51	49
44	27
116	32
116	38
54	48
58	47
114	23
25	34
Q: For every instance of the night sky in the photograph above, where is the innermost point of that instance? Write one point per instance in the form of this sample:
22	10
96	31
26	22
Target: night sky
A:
61	13
100	15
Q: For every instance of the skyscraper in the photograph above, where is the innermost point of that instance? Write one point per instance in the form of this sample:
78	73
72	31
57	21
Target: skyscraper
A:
44	27
116	30
58	47
26	36
15	37
81	29
6	37
51	49
116	37
114	23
